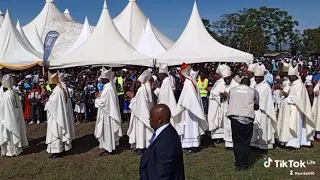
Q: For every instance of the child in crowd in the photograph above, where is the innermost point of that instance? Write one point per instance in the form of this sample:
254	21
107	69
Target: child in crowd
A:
80	107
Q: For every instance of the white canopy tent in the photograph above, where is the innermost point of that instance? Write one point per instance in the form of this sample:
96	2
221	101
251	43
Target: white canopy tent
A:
35	41
15	52
84	35
196	45
1	18
49	19
149	44
105	46
131	23
67	14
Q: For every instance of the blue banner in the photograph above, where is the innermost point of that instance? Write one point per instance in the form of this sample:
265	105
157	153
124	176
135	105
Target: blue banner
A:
49	42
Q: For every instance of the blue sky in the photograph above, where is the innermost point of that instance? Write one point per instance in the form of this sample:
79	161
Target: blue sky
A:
170	16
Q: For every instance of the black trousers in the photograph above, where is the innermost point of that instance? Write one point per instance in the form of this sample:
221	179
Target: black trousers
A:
121	103
241	136
205	102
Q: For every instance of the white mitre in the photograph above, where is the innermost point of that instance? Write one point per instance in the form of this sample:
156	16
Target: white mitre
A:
7	81
252	67
144	77
106	74
218	71
225	71
61	76
163	68
293	71
259	71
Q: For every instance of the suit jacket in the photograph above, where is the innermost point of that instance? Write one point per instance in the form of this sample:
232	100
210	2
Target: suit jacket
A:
163	160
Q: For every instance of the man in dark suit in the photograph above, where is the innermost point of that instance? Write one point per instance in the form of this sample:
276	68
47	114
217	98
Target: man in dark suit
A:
164	157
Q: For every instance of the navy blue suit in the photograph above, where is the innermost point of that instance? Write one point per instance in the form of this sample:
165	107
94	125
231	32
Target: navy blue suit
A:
163	160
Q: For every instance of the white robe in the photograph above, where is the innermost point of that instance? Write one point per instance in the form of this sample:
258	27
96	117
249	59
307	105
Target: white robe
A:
166	96
140	131
59	128
13	132
1	91
108	125
217	110
295	123
227	122
191	121
253	82
70	110
265	123
316	107
149	94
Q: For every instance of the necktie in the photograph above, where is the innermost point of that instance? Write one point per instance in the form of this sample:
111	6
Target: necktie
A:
152	138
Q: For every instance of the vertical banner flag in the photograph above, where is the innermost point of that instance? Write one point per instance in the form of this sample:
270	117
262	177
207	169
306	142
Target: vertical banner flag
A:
49	42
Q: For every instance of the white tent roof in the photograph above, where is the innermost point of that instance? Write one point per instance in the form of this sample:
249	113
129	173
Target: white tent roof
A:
149	44
15	51
1	18
84	35
105	46
197	45
50	18
35	41
67	14
131	23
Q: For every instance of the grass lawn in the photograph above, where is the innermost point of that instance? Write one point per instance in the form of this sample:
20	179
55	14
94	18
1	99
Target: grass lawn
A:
83	161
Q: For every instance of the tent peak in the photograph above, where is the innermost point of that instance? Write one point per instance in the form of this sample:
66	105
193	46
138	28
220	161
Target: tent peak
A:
132	0
105	6
66	11
49	1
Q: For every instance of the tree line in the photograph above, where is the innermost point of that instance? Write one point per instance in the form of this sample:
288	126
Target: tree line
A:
262	30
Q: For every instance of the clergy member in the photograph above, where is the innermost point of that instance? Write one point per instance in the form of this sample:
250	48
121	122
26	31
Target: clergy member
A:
316	109
140	131
250	74
265	123
296	123
69	102
217	107
226	73
13	133
191	121
59	128
108	125
165	93
149	89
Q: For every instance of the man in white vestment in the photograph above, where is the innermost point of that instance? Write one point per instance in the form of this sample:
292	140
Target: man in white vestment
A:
296	123
250	74
140	131
265	123
69	102
59	128
191	121
149	89
165	93
108	125
217	107
13	132
316	109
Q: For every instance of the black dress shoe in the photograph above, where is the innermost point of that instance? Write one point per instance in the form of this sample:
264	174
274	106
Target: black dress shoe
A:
56	155
105	153
139	152
194	150
229	149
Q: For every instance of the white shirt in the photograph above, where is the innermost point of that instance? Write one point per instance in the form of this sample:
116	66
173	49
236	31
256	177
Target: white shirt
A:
159	130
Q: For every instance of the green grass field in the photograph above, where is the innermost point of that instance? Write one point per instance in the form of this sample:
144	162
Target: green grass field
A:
83	161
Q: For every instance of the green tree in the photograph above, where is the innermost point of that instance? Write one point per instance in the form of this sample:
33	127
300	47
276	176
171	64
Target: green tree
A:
311	40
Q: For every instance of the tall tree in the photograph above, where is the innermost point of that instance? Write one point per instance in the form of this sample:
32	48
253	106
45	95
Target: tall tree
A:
311	40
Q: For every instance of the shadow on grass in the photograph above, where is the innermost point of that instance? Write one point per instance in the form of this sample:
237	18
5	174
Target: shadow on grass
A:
35	146
83	144
123	145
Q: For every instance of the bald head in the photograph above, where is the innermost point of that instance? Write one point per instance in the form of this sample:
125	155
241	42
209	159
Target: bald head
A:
159	116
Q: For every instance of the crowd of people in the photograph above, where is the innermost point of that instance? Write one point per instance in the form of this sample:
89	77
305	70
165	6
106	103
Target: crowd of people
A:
286	90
